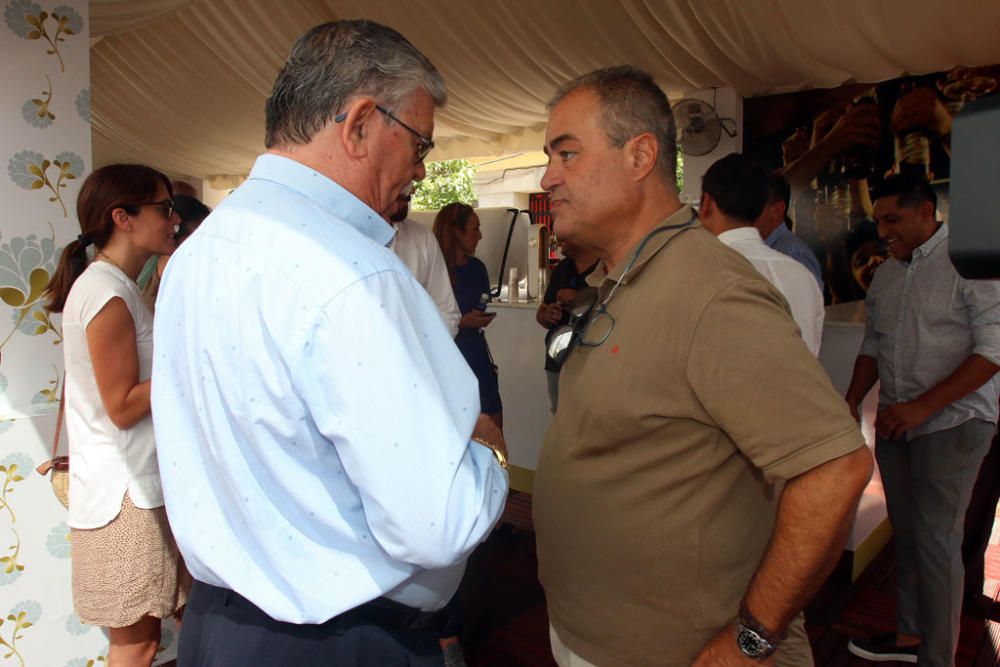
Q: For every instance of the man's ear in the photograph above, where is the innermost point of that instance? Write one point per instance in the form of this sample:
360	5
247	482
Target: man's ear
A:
779	210
355	129
705	205
926	211
641	153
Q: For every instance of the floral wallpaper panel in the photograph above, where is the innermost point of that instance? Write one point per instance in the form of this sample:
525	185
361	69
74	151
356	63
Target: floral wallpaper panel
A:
44	155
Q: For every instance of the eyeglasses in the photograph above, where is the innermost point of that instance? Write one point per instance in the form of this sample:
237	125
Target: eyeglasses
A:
424	145
590	325
166	206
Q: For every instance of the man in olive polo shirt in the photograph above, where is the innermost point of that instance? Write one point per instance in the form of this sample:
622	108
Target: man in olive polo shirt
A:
660	538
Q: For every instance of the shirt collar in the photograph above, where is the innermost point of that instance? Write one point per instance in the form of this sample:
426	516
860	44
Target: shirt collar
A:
748	233
933	242
780	232
653	246
325	192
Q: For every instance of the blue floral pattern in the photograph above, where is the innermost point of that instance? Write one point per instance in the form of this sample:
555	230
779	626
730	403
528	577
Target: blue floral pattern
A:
58	544
83	104
27	20
33	321
30	170
24	169
7	578
41	169
37	115
26	266
76	627
28	611
69	18
17	18
21	617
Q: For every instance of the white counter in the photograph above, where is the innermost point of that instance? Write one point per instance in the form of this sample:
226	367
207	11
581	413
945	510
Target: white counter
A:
517	343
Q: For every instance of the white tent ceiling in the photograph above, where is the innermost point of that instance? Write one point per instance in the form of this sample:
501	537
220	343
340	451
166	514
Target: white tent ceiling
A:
181	84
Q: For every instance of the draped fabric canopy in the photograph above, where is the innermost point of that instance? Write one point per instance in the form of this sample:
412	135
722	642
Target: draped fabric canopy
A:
181	84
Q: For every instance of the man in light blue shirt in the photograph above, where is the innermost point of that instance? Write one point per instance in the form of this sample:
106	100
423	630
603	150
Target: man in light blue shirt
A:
932	341
772	224
313	417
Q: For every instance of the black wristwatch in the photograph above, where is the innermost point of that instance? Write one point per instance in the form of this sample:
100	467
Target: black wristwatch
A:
752	638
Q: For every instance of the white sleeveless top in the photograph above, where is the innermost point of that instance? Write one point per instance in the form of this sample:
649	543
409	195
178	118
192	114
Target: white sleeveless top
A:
105	461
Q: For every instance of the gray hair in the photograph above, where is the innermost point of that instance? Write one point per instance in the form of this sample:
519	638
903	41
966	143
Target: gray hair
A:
335	62
631	104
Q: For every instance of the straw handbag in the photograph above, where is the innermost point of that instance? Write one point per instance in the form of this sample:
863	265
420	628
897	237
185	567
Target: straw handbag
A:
58	466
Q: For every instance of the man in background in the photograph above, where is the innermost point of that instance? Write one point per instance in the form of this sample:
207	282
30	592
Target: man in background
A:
416	246
734	191
772	223
184	188
566	281
932	341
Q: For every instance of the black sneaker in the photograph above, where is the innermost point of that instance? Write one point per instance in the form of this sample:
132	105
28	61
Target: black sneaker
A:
882	648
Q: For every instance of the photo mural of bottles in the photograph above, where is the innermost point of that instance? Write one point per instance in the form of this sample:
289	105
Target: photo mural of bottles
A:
834	145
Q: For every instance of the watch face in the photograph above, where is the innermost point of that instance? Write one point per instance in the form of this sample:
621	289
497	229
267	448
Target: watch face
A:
751	644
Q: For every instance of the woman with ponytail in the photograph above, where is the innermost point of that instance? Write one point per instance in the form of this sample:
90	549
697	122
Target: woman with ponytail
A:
127	572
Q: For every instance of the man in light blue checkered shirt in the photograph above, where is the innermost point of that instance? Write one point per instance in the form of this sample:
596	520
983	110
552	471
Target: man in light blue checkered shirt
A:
932	340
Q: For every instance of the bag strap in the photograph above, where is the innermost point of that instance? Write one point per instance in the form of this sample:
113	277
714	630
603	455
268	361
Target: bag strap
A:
47	465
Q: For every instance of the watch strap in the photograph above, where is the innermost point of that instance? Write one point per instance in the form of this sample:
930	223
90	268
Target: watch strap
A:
750	621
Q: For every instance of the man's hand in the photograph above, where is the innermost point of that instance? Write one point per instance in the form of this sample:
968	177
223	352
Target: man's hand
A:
565	295
475	319
549	314
893	422
488	430
922	108
853	407
722	651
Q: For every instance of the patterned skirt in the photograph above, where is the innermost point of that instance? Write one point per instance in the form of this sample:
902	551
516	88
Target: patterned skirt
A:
128	569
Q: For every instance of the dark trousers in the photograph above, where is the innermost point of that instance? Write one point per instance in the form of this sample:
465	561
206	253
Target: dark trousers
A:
223	629
928	483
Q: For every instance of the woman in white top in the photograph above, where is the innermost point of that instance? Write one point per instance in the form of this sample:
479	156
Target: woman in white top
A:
127	573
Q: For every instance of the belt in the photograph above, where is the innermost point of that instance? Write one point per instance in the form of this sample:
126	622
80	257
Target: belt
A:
383	612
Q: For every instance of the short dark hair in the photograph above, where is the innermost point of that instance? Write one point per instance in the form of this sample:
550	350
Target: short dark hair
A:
778	189
738	186
192	212
631	104
335	62
911	190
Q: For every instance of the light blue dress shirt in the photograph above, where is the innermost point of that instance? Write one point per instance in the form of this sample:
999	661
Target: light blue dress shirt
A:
786	242
312	412
923	321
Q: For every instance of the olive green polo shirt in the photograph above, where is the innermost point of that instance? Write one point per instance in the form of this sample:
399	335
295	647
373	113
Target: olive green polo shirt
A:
652	504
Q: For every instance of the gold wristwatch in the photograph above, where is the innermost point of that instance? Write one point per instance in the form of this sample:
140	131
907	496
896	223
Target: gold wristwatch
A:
501	458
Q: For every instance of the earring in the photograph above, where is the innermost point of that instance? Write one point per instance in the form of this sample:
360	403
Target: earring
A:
130	227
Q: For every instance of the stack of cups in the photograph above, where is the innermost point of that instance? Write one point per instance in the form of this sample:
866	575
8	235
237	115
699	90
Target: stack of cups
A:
512	286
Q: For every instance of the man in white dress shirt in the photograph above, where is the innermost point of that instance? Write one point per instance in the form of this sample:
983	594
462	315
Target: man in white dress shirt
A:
325	467
416	246
733	194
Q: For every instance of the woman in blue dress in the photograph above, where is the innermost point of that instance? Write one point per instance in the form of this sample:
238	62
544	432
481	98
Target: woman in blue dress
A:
457	230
